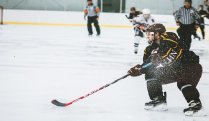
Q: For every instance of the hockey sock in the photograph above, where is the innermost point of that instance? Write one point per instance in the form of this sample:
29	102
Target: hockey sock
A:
154	88
190	93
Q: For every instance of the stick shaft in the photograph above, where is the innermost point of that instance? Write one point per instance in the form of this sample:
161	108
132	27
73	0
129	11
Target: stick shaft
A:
88	94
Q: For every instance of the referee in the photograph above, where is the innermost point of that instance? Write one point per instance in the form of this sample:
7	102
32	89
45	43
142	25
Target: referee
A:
92	12
187	18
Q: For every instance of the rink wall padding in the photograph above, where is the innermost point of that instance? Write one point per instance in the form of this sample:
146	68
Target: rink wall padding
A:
76	19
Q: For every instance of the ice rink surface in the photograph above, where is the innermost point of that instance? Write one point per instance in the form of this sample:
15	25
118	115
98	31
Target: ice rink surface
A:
41	63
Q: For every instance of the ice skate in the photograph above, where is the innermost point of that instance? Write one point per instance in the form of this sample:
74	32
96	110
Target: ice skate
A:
158	104
90	35
195	109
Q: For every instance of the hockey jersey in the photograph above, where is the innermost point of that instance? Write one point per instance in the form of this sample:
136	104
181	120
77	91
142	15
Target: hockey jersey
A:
168	52
141	20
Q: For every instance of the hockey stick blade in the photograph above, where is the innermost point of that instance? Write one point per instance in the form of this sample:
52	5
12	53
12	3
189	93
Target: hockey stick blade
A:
57	103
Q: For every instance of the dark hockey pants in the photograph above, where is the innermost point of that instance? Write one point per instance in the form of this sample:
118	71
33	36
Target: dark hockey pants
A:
202	28
185	33
187	78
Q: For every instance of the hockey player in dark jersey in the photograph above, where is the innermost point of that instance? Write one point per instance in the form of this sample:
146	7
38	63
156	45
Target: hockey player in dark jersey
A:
206	3
202	14
169	63
133	13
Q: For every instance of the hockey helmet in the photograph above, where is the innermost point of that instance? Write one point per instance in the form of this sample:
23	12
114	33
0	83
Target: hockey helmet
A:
160	28
133	9
146	11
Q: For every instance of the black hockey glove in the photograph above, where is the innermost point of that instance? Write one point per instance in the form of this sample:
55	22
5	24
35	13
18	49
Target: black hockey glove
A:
135	71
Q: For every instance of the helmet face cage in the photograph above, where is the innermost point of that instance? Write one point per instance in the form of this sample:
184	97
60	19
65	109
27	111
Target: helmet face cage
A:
146	13
150	37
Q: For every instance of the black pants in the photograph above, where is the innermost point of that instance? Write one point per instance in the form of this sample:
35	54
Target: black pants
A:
202	28
186	76
94	20
194	33
185	33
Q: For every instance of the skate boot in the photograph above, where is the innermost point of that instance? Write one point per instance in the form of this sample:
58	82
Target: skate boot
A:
196	36
90	34
135	51
193	109
158	104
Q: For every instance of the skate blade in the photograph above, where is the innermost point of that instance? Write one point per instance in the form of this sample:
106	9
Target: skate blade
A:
162	107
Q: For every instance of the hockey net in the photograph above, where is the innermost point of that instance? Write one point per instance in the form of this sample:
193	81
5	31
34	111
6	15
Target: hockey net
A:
1	15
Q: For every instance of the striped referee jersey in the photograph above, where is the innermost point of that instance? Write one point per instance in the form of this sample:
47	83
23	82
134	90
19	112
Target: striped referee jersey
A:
187	15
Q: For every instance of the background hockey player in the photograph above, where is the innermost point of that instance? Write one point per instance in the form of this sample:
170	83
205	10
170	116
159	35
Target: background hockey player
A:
92	12
203	14
187	18
206	3
133	13
169	63
141	23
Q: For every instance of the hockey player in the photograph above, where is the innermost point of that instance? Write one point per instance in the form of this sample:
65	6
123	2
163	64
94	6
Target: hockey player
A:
206	3
141	23
165	62
133	13
92	12
202	14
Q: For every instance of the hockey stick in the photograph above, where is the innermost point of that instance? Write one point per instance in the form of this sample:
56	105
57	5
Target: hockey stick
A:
130	20
60	104
127	16
57	103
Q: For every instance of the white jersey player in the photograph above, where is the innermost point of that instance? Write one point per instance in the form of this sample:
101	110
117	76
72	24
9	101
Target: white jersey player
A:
141	23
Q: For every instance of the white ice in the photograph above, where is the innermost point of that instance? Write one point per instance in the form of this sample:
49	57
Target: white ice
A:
41	63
